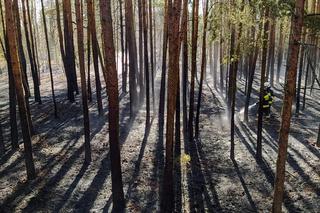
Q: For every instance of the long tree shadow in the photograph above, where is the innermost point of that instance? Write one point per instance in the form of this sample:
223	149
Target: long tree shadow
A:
86	202
244	186
246	135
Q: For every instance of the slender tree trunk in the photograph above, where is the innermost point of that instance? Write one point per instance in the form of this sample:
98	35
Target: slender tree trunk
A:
151	53
271	59
113	98
195	12
35	74
163	67
94	42
185	64
294	42
318	140
124	76
133	65
69	46
167	198
141	70
301	66
12	90
280	52
63	55
146	59
262	81
86	121
89	64
11	33
203	66
49	61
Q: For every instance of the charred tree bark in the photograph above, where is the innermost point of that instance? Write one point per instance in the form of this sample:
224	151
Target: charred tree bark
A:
167	196
16	69
146	59
113	98
12	90
94	42
36	72
151	52
133	65
163	68
86	121
294	42
203	66
195	22
262	81
185	64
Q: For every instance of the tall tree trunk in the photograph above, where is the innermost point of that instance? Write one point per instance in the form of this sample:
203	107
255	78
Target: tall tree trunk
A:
63	55
280	52
163	68
11	33
12	91
167	198
203	66
133	65
294	42
49	61
89	64
94	42
195	12
33	52
86	121
124	76
151	52
301	66
141	70
262	81
146	59
185	64
271	59
69	46
113	99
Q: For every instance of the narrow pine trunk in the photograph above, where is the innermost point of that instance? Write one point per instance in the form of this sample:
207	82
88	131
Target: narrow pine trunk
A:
12	90
151	52
95	57
113	98
203	67
167	196
195	13
49	61
16	69
146	59
294	42
262	81
132	47
86	121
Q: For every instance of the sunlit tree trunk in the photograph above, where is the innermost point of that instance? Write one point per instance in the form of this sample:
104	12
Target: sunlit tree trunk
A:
113	99
16	69
12	90
167	196
294	46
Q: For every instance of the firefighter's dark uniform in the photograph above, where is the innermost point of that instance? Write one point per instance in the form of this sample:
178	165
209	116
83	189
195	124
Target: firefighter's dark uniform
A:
267	101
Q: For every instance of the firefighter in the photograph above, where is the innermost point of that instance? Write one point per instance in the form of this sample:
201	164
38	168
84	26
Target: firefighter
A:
267	99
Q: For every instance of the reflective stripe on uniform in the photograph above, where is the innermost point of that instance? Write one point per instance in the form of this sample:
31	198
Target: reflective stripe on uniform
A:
266	97
266	106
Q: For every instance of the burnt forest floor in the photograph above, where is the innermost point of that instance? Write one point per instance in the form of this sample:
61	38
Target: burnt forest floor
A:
210	182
